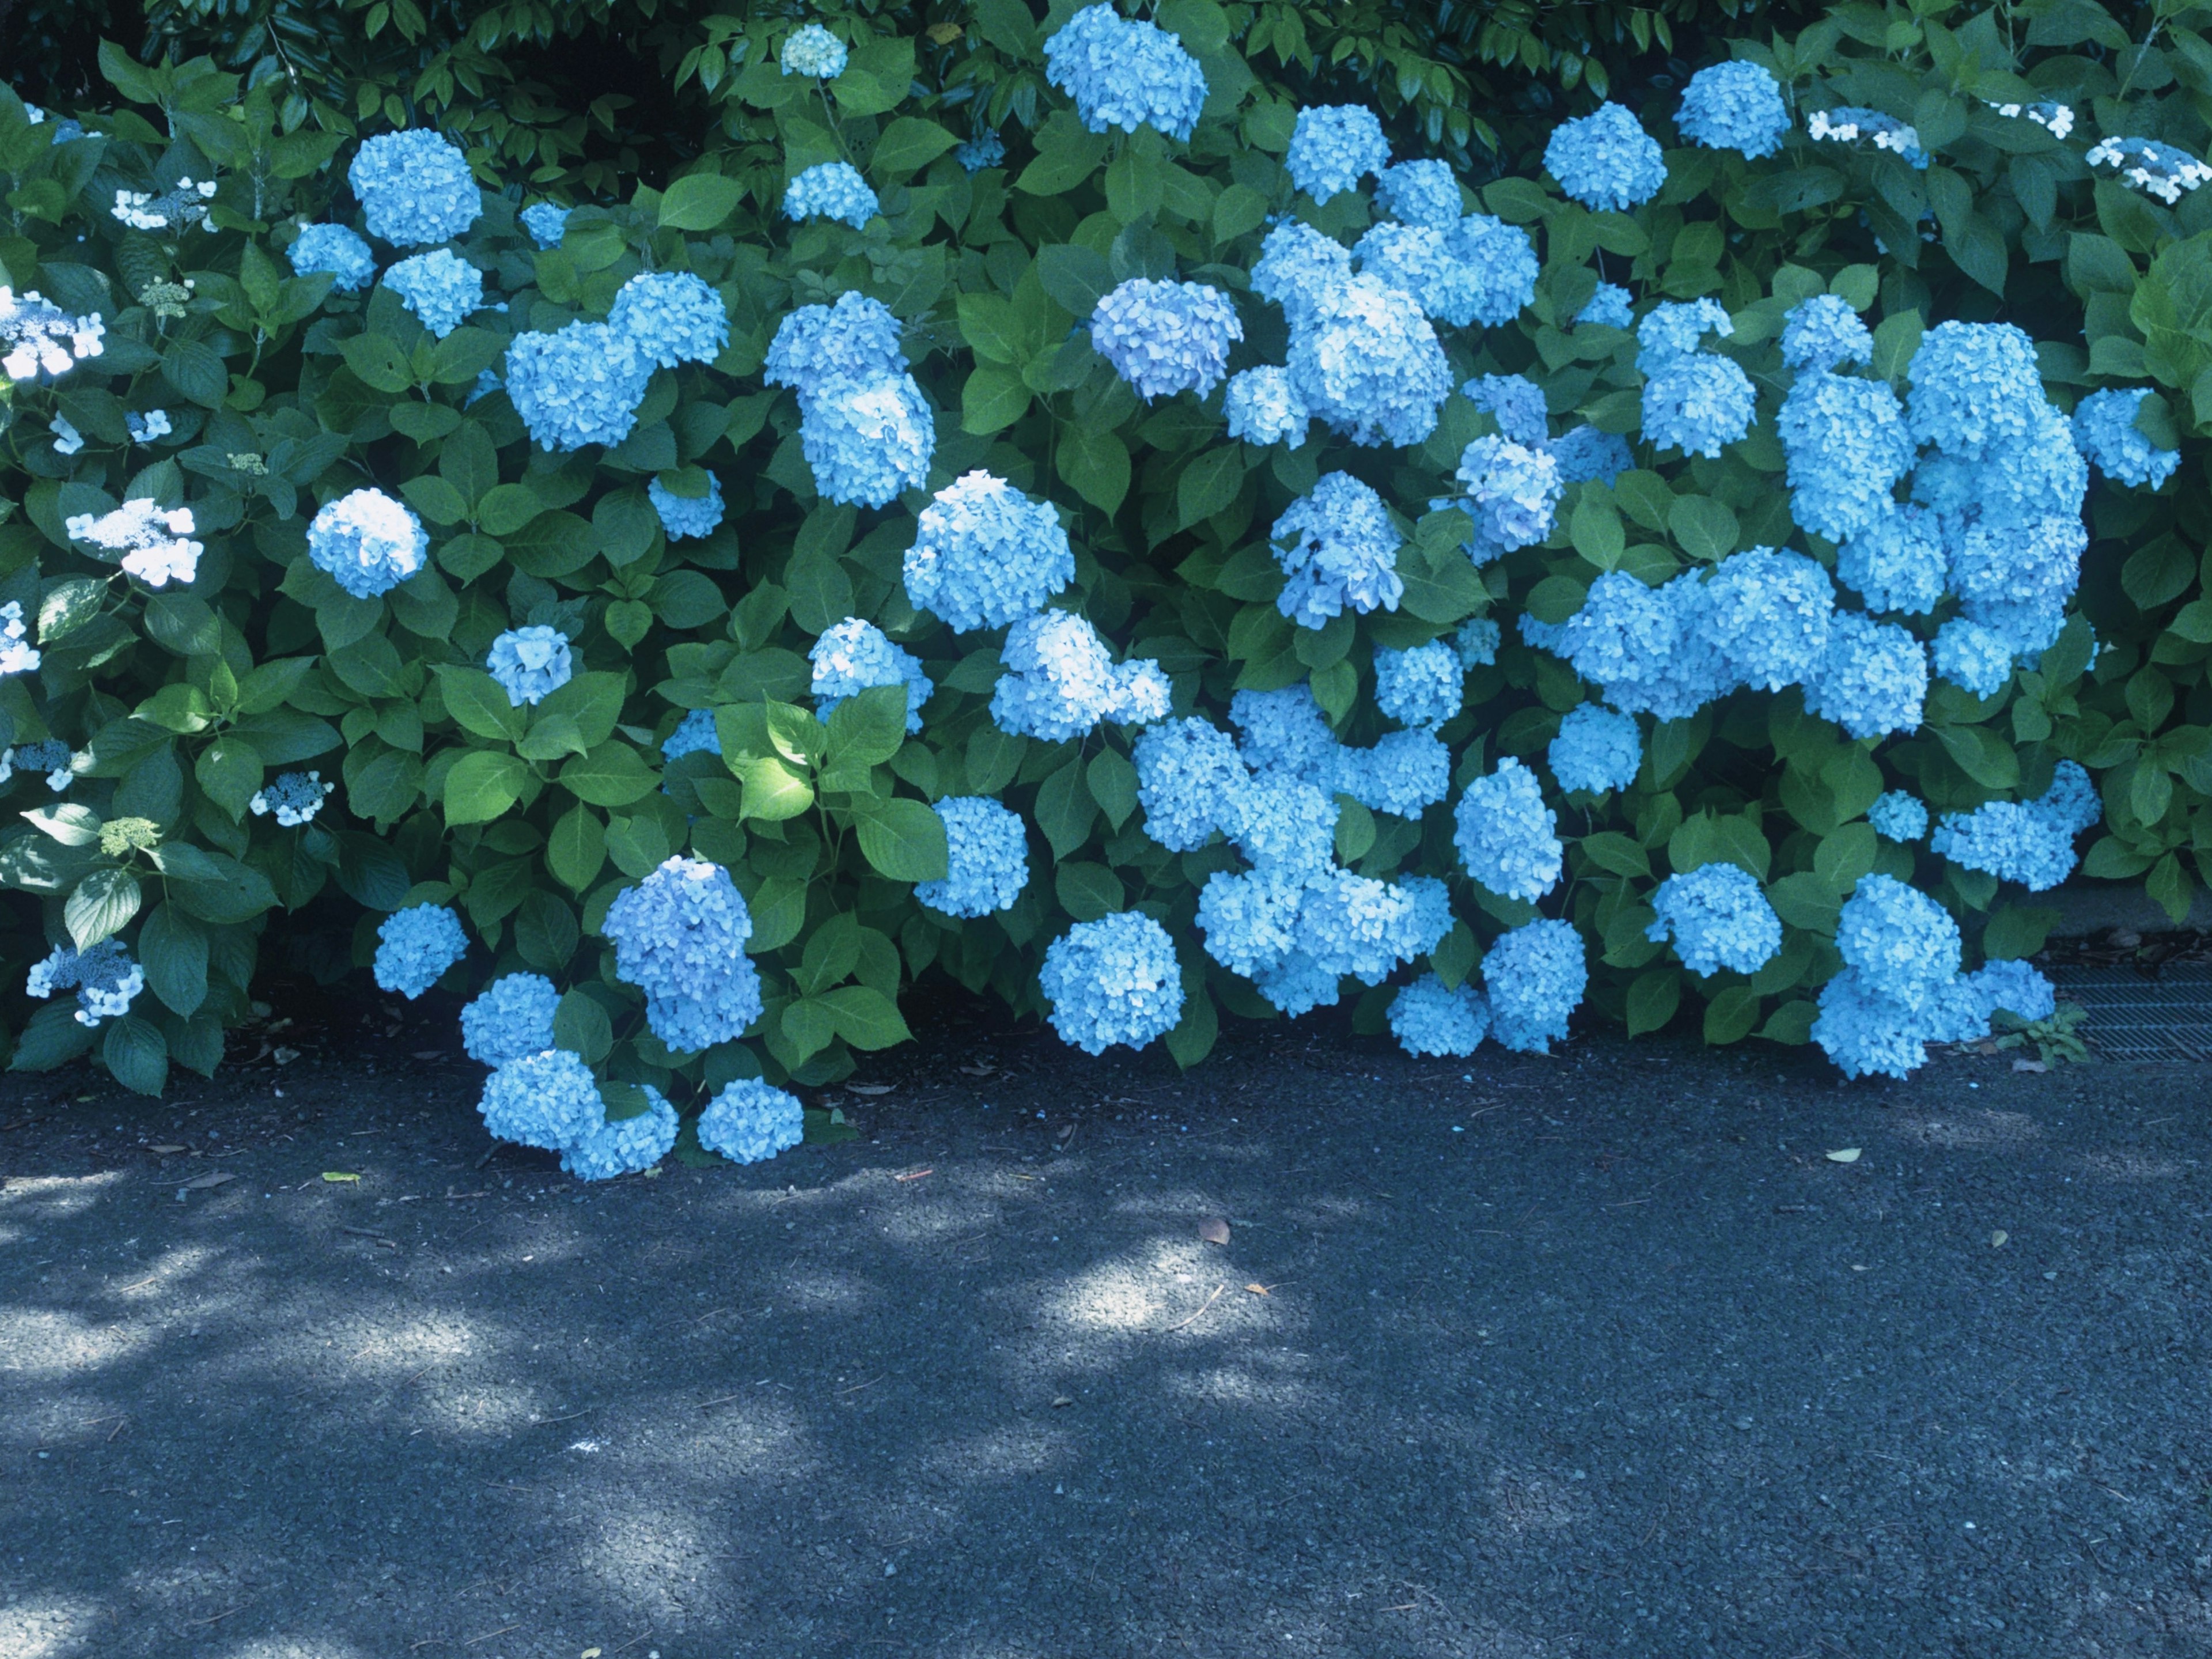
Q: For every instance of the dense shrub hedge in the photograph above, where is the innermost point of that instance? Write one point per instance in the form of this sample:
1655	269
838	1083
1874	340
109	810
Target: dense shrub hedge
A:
1826	272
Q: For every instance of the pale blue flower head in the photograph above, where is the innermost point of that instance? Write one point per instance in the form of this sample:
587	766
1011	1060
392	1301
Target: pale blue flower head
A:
1733	105
107	982
857	338
687	518
1697	405
1847	447
1975	388
985	555
1896	561
2014	987
1061	683
1718	918
1263	408
292	797
1597	750
1480	271
1297	265
1584	452
367	542
439	288
2105	431
1283	732
1605	160
511	1017
985	150
1898	816
336	249
546	1097
416	947
670	317
1676	329
1476	642
1113	981
2009	840
1608	307
1418	687
1247	919
1297	985
694	735
1904	944
1123	72
582	386
2017	584
679	936
1766	615
1187	773
1284	824
1333	147
1368	363
1864	1031
1356	926
831	190
1419	193
530	664
1512	490
1337	546
1507	837
811	50
1824	332
1163	338
750	1122
867	439
1403	774
1536	976
1515	403
987	859
414	188
1872	679
1427	1019
2072	800
625	1145
1643	645
855	656
1972	656
546	221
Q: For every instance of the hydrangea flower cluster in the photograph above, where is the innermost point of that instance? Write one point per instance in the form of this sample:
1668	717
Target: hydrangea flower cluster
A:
694	735
155	542
1061	683
530	664
1901	943
1263	407
811	50
1507	837
1896	562
1610	306
985	555
414	946
104	977
1899	816
620	1147
145	428
368	543
17	654
1584	452
1403	774
1718	918
1515	403
864	426
1693	400
1419	687
1333	147
1536	976
1846	123
1733	105
1847	447
1297	265
1512	493
1824	332
1187	773
546	1097
1367	363
854	656
986	858
546	221
293	798
438	287
679	936
1426	1019
985	150
336	249
41	336
1872	679
1115	980
856	338
414	188
1597	750
670	317
2156	169
1766	616
1163	338
48	754
1975	658
1337	546
750	1122
1419	193
1605	160
2030	842
1123	72
832	190
582	386
1476	642
511	1017
2105	433
687	518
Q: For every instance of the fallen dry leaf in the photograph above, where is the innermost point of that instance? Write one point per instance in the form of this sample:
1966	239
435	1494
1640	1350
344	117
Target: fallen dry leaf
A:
436	1053
339	1175
1998	1239
2029	1066
212	1178
1059	1399
1849	1155
867	1088
1257	1290
1213	1230
978	1070
165	1149
591	1653
286	1056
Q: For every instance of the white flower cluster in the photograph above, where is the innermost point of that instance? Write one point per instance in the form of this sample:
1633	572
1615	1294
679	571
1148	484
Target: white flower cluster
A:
41	336
185	204
155	542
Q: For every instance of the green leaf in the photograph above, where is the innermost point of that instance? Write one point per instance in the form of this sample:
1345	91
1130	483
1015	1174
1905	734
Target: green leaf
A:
1652	998
865	1017
103	906
1095	463
135	1054
1596	532
869	727
577	848
1455	956
2017	931
901	839
482	784
505	508
909	145
1065	809
173	948
1355	830
1087	892
478	703
1209	483
582	1026
612	775
435	499
775	789
1703	527
229	772
51	1037
700	201
1113	784
1077	277
1982	755
1612	851
992	398
1732	1013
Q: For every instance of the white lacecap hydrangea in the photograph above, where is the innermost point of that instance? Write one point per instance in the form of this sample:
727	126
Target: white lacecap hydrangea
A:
105	980
1188	774
1597	750
1428	1020
1125	73
1333	147
750	1122
620	1147
530	664
832	190
546	1098
438	287
2164	171
546	221
1163	338
1337	546
582	386
1060	682
811	50
687	518
68	440
414	188
335	249
1263	407
416	947
1507	838
1421	686
42	337
1419	193
1733	105
153	543
1898	816
1534	977
512	1017
985	555
1113	981
856	655
292	797
679	936
1605	160
49	755
1849	124
1718	918
670	317
987	859
1367	364
867	439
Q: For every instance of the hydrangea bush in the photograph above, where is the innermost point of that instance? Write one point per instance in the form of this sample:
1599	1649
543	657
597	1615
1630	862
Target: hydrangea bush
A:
1189	556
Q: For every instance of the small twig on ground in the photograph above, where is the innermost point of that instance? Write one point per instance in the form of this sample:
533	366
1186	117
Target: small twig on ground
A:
225	1614
857	1387
117	1430
1194	1318
570	1418
363	1232
633	1642
138	1286
720	1400
488	1634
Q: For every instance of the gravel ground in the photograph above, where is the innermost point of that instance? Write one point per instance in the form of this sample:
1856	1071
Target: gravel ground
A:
1605	1356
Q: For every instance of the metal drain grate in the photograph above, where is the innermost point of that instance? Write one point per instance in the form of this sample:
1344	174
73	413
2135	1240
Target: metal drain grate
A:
2132	1018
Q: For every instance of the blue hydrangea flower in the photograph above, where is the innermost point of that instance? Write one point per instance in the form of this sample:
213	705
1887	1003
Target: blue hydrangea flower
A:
530	664
623	1145
1512	493
1733	105
1605	160
2009	840
831	190
1428	1019
336	249
1403	774
1643	645
1163	338
2014	987
1264	407
1368	363
1718	918
1766	615
694	734
1610	307
1872	679
1974	388
670	317
868	440
2072	799
1902	943
1060	682
1297	985
986	858
107	982
512	1018
2013	487
546	1098
368	543
1584	452
1865	1032
1297	265
1507	837
1187	772
48	754
1972	656
437	288
582	386
1848	123
985	150
857	338
1284	824
1115	980
2018	584
1536	976
2105	432
1697	405
1478	271
546	221
1597	750
854	656
1847	447
293	798
1337	546
1898	816
1333	147
1123	72
414	188
1422	686
750	1122
1419	193
1896	561
2164	171
416	947
679	936
810	50
1247	919
1476	642
1515	403
1677	329
687	518
1283	732
1824	332
984	554
1355	926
